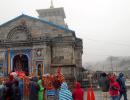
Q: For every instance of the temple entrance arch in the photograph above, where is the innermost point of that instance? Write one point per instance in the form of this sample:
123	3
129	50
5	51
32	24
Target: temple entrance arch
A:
20	63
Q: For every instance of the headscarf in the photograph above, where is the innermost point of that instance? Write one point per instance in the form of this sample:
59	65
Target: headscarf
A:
112	79
121	75
64	86
77	85
60	76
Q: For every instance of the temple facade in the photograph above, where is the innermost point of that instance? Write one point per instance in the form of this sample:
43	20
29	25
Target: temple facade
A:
40	45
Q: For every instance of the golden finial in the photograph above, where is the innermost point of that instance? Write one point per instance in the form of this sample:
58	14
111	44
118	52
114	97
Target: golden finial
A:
51	6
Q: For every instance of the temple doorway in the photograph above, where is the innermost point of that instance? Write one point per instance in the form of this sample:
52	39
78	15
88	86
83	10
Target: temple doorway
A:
20	63
40	69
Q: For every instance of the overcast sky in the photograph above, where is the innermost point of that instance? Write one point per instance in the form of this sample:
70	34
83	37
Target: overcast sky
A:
104	25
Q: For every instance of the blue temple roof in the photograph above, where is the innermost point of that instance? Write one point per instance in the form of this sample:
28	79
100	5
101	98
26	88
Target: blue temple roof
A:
44	21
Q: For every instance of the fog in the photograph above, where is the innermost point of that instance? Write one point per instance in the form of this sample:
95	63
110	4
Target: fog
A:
104	25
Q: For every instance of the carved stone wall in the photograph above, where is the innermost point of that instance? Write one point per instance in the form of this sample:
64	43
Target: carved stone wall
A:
48	44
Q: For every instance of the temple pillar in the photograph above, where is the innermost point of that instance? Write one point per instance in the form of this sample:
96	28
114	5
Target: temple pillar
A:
9	61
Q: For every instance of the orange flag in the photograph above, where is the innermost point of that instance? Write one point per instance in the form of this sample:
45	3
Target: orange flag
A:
92	94
88	94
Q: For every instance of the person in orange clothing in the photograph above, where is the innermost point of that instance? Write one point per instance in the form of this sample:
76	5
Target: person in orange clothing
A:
78	92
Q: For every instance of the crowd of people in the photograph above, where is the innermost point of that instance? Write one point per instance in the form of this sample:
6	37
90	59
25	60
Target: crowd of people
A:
18	86
113	86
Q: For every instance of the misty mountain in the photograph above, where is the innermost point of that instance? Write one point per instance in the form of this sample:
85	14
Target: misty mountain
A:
111	63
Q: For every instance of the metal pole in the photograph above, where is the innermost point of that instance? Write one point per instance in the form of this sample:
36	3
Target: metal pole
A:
111	64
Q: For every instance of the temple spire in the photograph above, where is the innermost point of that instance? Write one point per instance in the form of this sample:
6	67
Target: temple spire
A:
51	6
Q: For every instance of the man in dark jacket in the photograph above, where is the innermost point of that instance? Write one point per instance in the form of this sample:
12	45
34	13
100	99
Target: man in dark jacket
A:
104	85
123	89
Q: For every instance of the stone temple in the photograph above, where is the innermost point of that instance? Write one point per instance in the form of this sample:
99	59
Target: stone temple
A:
40	45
